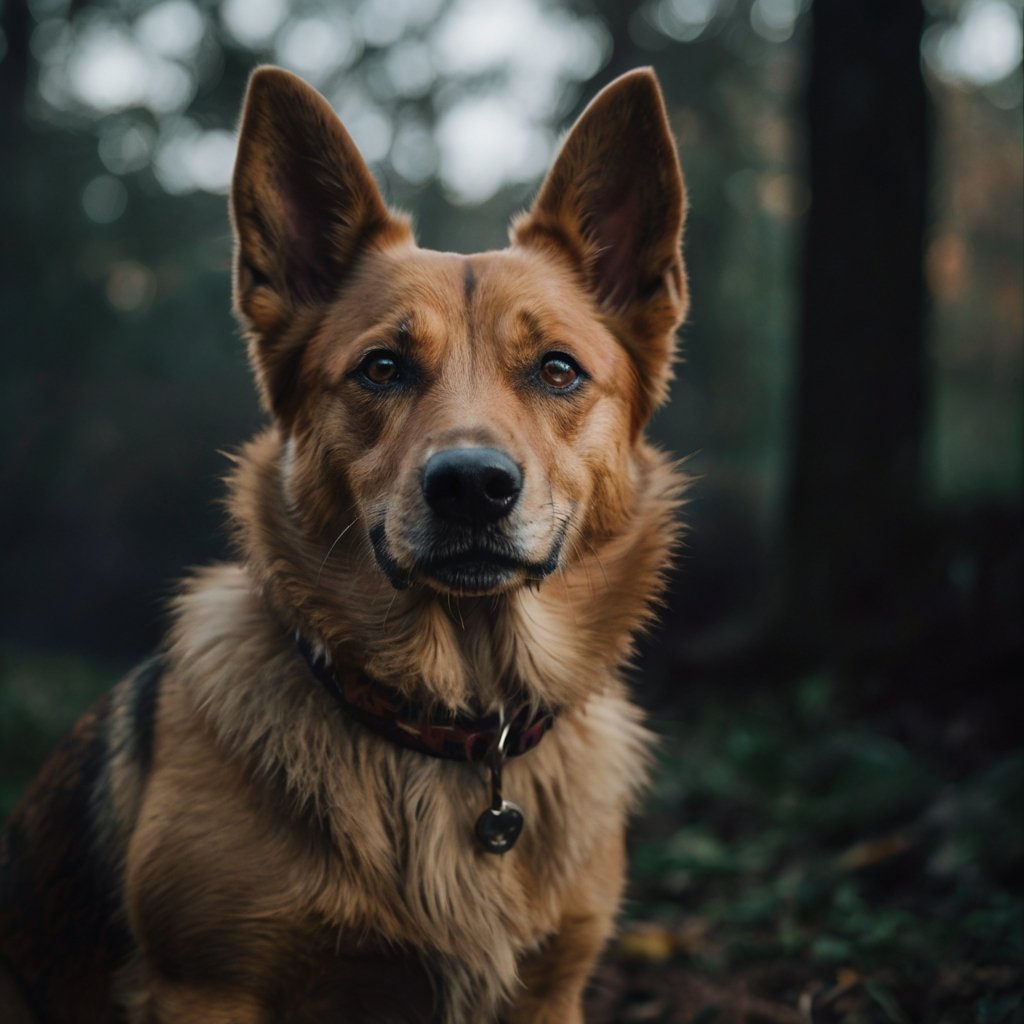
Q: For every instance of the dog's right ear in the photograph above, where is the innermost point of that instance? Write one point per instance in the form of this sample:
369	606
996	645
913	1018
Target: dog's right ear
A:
304	206
613	205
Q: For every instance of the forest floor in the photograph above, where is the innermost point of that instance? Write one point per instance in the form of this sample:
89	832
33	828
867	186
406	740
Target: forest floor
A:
804	858
808	859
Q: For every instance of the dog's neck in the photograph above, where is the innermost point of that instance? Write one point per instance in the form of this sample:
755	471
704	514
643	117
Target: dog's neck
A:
512	730
557	643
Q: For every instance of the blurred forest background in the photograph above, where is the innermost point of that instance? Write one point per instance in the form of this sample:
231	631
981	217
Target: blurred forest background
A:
837	834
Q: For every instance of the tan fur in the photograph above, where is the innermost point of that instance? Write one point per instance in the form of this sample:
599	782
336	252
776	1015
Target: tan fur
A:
279	860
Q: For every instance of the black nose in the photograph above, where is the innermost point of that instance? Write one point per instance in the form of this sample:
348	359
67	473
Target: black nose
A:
474	486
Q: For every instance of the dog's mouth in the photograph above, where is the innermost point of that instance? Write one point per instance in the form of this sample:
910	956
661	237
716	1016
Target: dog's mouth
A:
474	571
467	569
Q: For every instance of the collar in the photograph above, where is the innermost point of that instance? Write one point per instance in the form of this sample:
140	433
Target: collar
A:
407	723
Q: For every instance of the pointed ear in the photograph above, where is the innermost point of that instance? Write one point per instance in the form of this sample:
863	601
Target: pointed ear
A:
613	205
304	206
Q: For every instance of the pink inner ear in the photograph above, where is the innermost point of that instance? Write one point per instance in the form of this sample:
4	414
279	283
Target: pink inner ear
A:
616	232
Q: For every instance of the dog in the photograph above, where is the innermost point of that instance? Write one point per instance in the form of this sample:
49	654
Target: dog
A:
381	768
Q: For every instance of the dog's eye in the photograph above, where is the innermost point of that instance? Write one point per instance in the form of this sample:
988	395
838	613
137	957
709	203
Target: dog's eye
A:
559	372
380	368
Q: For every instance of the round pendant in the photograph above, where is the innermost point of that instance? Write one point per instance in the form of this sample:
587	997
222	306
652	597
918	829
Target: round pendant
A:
499	829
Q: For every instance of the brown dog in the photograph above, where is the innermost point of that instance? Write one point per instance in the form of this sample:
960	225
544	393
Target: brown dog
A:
309	806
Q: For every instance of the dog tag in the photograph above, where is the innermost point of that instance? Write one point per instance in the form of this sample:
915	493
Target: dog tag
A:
499	828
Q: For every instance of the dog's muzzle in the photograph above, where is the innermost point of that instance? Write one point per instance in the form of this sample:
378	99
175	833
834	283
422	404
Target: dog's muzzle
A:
463	541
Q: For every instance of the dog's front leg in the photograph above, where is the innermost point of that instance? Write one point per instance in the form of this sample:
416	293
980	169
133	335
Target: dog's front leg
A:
555	976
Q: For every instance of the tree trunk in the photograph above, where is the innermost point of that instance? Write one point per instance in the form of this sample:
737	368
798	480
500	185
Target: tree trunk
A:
856	485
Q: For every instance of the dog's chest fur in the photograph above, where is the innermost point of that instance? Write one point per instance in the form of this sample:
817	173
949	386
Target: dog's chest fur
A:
385	851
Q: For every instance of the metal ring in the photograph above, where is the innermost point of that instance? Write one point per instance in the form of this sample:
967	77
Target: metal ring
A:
503	738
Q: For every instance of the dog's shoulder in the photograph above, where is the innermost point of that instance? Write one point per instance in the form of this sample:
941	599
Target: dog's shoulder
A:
61	923
236	672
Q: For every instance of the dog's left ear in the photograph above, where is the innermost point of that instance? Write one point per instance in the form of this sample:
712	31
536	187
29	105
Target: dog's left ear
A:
613	204
305	208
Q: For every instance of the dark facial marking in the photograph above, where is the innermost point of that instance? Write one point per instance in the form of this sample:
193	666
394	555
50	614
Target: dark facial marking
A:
470	283
397	577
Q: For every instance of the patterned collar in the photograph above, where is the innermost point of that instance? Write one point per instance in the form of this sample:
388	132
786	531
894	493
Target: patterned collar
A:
406	723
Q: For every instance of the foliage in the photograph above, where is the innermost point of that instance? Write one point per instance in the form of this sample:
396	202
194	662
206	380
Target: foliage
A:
799	849
41	696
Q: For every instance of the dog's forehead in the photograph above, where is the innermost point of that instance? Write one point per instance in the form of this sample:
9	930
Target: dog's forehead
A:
448	301
489	282
536	303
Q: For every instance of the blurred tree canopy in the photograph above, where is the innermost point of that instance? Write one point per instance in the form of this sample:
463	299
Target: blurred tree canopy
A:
125	374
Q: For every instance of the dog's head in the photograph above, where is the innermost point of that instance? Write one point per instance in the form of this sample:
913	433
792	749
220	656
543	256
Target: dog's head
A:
473	417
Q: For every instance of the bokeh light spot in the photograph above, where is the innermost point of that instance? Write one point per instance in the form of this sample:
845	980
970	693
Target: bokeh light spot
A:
104	199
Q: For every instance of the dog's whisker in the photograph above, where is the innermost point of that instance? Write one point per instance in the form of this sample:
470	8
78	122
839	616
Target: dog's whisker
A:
595	555
590	578
566	586
330	550
575	554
